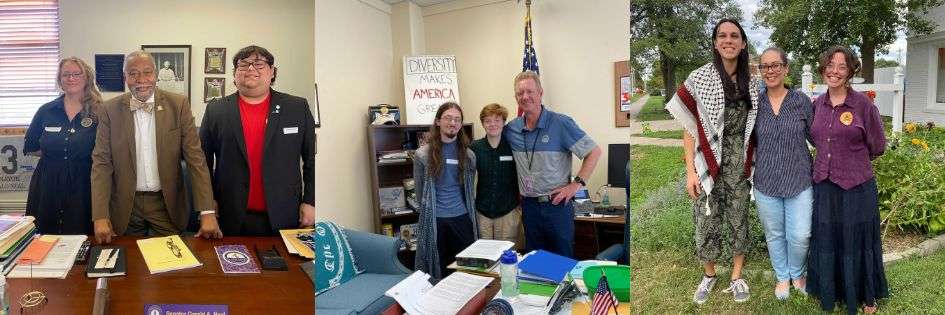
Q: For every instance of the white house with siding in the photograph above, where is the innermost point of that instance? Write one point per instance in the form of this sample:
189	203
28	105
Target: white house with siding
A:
925	73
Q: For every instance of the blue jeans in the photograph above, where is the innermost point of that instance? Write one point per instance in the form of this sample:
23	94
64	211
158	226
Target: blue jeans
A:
787	223
548	227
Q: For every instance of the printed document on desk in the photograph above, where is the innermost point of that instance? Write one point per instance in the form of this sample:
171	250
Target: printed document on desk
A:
416	297
57	263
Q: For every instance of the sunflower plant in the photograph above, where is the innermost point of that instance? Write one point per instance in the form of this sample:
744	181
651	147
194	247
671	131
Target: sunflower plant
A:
911	181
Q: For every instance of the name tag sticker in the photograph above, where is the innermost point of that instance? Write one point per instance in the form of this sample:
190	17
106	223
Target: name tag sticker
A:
290	130
53	129
452	161
505	158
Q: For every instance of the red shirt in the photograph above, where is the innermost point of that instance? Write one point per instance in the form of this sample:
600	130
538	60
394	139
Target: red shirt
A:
253	117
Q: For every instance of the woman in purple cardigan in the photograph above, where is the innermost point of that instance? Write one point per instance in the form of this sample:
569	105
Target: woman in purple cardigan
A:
846	254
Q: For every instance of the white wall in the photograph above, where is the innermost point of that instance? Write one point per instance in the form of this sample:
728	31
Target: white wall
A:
577	43
920	79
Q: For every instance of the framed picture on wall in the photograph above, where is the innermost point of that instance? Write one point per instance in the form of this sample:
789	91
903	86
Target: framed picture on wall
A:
213	88
214	61
173	67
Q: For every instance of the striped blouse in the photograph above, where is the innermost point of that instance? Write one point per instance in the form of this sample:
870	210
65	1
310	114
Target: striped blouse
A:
782	160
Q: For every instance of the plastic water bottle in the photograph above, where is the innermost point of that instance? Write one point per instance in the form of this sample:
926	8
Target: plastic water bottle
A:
508	271
4	299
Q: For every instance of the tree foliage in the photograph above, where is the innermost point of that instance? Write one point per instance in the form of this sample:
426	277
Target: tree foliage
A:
676	34
806	28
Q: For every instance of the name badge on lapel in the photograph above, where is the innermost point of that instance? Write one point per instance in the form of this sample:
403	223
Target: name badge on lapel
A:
452	161
53	129
290	130
505	158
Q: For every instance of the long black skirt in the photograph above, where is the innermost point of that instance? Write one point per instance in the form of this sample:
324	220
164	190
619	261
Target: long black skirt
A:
845	263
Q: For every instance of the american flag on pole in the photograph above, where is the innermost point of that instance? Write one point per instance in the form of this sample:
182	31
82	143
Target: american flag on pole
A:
603	298
530	61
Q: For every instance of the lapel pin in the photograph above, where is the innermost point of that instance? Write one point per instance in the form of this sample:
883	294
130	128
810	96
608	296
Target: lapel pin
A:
277	109
160	107
86	122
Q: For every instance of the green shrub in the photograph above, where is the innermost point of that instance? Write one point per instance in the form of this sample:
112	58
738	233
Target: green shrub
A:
911	180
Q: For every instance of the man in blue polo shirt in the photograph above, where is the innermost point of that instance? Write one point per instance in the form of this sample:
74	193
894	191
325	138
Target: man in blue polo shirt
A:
542	143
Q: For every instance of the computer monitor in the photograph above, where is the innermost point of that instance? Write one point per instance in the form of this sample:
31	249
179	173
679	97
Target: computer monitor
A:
618	155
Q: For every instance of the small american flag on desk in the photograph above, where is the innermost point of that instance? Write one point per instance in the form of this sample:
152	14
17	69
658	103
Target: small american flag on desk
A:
603	298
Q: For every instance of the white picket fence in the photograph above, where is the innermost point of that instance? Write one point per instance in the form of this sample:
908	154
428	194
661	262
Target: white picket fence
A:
897	88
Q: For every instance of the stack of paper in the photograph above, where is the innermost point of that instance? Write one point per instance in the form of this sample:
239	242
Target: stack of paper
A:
57	263
166	253
418	297
15	233
483	253
294	245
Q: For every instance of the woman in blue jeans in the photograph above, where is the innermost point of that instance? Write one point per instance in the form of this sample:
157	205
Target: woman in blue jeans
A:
782	180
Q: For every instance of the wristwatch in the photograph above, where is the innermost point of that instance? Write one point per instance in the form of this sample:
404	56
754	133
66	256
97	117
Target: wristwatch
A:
579	180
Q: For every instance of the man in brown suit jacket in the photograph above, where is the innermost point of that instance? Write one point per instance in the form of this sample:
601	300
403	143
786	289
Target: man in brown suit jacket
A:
137	184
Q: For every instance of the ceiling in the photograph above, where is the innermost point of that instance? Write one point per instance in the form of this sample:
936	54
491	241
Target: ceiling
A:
421	3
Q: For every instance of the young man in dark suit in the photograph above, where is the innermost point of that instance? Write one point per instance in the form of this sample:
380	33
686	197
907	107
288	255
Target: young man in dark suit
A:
254	140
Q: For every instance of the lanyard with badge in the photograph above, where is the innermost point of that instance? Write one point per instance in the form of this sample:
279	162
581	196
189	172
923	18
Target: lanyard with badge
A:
528	181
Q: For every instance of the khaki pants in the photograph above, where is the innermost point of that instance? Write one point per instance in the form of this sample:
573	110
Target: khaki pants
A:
504	228
149	216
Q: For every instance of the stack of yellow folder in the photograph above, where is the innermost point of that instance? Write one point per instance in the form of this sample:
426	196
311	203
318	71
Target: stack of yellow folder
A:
166	253
294	245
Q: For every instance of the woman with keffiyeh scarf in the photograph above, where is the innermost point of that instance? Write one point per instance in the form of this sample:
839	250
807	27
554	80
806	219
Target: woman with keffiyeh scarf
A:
717	105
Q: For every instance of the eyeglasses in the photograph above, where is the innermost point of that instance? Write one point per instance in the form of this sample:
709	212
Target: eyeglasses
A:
257	64
71	75
174	249
136	74
840	67
451	119
777	66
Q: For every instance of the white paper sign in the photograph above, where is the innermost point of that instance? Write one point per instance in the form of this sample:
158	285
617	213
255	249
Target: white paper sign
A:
16	170
429	81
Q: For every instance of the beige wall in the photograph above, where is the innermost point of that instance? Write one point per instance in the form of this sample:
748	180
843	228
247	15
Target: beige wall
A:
358	48
577	43
120	26
354	59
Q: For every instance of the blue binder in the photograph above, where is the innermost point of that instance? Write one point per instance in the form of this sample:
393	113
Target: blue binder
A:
543	266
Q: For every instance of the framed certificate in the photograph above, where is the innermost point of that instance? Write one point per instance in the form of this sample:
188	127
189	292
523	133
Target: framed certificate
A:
214	61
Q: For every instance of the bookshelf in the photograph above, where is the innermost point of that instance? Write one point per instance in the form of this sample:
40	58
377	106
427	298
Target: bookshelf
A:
391	139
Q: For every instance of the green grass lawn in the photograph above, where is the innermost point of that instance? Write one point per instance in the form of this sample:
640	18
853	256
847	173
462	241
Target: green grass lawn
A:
653	110
662	134
651	168
663	282
665	270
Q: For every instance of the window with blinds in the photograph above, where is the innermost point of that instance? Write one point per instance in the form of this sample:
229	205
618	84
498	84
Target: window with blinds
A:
29	55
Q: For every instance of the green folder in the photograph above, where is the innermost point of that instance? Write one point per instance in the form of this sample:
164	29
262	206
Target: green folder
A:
527	287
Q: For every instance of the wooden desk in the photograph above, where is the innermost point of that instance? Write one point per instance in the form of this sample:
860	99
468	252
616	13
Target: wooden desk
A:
592	235
268	292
